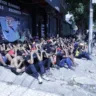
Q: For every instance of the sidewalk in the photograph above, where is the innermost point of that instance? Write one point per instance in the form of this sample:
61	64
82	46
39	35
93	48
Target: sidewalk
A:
16	90
81	82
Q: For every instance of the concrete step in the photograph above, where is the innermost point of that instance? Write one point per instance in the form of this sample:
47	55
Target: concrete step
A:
17	90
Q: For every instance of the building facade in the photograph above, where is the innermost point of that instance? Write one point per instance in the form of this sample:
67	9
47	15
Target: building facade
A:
46	18
42	18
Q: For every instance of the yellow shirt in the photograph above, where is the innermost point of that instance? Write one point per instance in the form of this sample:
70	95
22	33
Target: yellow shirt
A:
77	53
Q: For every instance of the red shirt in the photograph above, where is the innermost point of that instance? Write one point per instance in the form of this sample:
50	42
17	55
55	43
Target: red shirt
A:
58	49
11	52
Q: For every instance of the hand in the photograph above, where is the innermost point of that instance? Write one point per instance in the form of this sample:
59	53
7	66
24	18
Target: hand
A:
29	46
36	51
62	45
36	46
3	44
40	46
32	52
48	55
42	51
22	60
23	48
15	49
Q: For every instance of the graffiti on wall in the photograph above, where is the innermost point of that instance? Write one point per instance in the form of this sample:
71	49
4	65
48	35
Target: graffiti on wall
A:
11	29
14	24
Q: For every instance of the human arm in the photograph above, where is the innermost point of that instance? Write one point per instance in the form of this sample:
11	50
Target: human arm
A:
39	56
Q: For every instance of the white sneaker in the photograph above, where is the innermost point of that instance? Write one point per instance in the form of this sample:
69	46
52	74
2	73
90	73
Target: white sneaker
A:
45	78
48	72
18	70
40	80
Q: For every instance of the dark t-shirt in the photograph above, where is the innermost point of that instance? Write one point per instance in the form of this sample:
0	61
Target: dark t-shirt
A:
59	57
20	52
3	53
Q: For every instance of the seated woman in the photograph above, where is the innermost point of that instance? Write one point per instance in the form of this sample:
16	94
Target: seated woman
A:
81	52
45	56
53	58
17	64
14	61
34	61
18	52
65	58
4	56
71	53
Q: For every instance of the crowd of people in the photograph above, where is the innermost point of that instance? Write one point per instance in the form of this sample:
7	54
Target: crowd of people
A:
38	56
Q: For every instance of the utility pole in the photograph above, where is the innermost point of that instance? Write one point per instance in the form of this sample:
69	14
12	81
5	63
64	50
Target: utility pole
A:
90	27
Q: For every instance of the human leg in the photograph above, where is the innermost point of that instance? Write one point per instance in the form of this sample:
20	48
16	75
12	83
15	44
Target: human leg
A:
62	63
69	62
3	60
47	62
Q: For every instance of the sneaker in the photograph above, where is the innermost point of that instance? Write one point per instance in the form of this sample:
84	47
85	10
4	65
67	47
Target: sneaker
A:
40	81
48	72
75	64
72	69
14	71
56	66
18	70
45	77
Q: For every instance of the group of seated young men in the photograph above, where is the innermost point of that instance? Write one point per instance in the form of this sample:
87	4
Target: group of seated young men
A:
39	55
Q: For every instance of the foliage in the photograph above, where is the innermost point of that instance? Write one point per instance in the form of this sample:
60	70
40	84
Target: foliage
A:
80	10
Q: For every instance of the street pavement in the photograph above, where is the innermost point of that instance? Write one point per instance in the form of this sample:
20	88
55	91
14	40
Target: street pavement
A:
63	82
